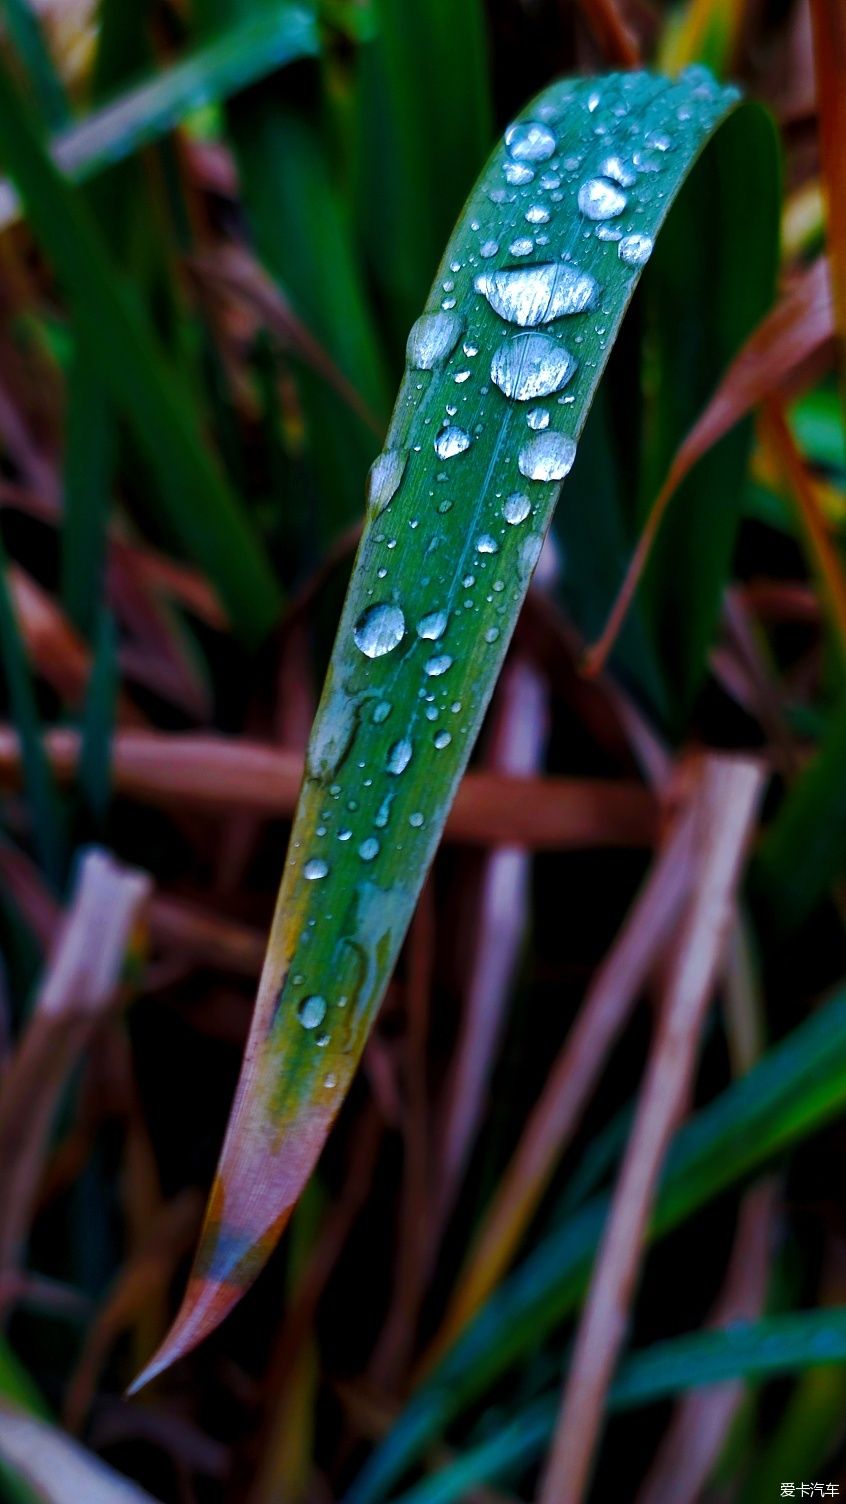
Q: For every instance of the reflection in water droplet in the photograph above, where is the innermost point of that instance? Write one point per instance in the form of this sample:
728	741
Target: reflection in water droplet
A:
528	366
517	173
601	199
529	141
311	1011
378	630
451	441
369	849
433	626
432	339
532	295
486	544
635	250
384	477
434	667
315	869
547	456
399	756
516	507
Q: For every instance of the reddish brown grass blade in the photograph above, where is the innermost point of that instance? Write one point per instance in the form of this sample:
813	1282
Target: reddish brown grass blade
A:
218	775
612	32
725	806
800	325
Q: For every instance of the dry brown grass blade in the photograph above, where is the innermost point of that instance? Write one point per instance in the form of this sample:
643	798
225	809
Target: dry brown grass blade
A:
774	357
612	32
725	809
216	774
696	1436
78	987
829	25
573	1077
824	555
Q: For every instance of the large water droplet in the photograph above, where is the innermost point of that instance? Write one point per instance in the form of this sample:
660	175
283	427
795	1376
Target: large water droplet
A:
432	626
384	478
450	441
532	295
378	630
434	667
547	456
530	141
399	756
635	250
599	198
516	507
315	869
432	339
311	1011
528	366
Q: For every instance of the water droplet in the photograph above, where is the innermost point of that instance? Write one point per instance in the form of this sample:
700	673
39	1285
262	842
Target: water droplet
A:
383	813
492	634
311	1011
516	507
538	418
434	667
399	756
432	626
517	173
537	215
344	835
530	141
330	1081
486	544
547	456
378	630
432	339
488	248
532	295
616	169
384	478
522	246
635	250
381	712
315	869
528	366
442	739
450	441
369	849
607	232
416	819
599	198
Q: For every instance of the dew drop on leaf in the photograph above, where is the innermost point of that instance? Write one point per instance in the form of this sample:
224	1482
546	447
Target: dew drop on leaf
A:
315	869
432	626
516	507
547	456
399	756
434	667
384	479
532	295
635	250
311	1011
529	141
528	366
379	630
451	441
432	339
599	198
369	849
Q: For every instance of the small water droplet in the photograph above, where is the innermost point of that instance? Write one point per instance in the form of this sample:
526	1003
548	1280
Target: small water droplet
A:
399	756
488	248
416	819
442	739
522	246
451	441
438	665
330	1081
432	339
315	869
381	712
432	626
538	418
486	544
379	630
344	835
369	849
635	250
516	508
537	215
492	634
599	198
311	1011
530	141
517	173
607	232
528	366
384	479
617	170
532	295
547	456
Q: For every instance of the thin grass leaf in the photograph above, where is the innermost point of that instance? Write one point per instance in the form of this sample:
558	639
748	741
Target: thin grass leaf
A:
57	1469
47	88
458	506
753	1351
214	71
797	1087
88	472
209	518
98	719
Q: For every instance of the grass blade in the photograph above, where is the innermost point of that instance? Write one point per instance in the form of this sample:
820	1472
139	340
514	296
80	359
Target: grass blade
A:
209	518
28	42
57	1468
465	491
797	1086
